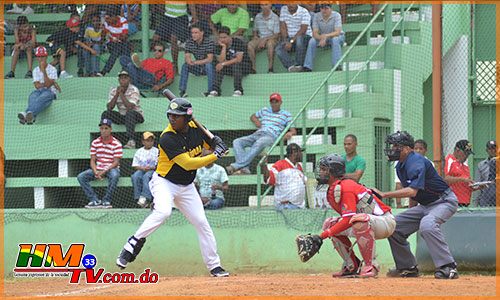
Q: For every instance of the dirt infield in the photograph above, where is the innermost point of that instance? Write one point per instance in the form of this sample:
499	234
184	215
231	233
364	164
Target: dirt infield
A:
275	285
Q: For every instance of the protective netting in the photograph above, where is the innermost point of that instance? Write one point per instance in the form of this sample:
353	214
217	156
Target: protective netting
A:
381	85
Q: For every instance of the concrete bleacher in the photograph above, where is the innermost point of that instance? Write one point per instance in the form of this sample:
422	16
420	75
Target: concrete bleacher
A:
42	160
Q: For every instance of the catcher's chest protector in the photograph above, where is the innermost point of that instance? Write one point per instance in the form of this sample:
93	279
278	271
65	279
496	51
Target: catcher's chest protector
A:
365	204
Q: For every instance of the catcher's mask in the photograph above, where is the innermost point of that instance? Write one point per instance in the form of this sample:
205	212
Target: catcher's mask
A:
398	139
180	106
333	164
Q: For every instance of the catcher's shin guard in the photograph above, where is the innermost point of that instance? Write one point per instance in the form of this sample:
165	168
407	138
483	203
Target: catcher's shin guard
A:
366	243
351	263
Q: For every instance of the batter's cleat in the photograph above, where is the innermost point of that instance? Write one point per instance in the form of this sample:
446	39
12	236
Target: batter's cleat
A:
106	204
123	259
446	272
409	272
94	204
369	272
219	272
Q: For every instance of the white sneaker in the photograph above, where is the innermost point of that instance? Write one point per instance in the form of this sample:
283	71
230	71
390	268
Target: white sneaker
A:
130	145
237	93
22	117
136	60
28	11
293	69
65	74
15	10
142	201
213	94
30	118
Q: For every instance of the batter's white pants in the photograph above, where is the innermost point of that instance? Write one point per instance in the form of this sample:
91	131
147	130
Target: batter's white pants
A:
188	201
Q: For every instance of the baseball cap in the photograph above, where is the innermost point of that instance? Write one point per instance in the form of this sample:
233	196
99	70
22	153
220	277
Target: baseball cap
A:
491	144
72	23
146	135
293	147
105	122
123	72
41	51
465	146
275	96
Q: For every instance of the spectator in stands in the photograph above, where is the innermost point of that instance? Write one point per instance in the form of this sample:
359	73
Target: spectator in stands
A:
25	37
78	50
145	161
288	179
18	10
483	172
61	42
420	147
202	48
126	98
233	17
156	73
204	12
46	88
295	34
105	154
457	174
270	121
355	165
343	10
311	8
174	27
94	38
327	31
132	12
212	183
232	60
266	32
116	28
489	195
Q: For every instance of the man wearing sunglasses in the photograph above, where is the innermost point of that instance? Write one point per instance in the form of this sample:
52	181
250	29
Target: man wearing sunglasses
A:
156	73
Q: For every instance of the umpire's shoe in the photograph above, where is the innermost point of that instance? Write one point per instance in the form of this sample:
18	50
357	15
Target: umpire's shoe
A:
409	272
448	271
219	272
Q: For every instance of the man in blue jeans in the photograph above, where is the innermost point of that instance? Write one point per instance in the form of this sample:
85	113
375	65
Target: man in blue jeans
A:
202	48
270	121
105	154
46	88
327	31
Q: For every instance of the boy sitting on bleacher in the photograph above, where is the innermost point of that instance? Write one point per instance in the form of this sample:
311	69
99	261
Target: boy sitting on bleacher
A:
25	37
61	41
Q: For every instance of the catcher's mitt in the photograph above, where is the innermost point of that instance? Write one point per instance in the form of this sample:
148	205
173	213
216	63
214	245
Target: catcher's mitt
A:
308	245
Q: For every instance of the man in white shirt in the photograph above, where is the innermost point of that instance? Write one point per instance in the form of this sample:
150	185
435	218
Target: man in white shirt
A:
44	79
145	161
212	183
295	34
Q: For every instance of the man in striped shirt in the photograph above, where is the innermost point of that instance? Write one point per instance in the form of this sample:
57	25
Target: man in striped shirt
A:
270	121
117	30
105	154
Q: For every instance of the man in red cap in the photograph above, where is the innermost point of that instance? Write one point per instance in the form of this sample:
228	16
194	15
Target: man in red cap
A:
46	88
270	122
61	41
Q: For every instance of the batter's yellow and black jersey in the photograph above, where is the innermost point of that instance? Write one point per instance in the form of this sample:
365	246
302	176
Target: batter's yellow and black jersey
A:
174	143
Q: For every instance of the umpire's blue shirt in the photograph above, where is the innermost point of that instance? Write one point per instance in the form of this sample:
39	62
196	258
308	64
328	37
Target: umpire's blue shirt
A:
418	172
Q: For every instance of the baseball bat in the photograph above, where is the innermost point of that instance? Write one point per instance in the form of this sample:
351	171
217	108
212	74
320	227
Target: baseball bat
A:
170	96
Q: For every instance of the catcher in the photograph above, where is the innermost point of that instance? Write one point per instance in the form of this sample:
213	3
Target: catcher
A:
363	216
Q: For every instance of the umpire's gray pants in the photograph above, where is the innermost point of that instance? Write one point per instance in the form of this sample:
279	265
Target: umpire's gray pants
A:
427	219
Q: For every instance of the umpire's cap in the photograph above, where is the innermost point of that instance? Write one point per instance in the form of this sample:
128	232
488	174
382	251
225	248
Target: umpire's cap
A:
293	148
180	106
334	162
400	138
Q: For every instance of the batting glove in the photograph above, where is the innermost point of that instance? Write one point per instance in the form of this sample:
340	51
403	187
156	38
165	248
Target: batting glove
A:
220	150
214	141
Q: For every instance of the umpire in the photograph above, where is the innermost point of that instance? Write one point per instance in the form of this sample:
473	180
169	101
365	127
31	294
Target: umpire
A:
437	204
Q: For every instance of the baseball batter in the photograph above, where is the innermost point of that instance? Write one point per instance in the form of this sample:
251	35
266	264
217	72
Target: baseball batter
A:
437	202
180	156
363	216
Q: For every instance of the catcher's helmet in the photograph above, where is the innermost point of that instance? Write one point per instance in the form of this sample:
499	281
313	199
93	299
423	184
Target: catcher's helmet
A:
180	106
335	164
400	139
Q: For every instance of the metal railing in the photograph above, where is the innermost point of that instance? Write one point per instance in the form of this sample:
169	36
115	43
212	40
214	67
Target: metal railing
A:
301	113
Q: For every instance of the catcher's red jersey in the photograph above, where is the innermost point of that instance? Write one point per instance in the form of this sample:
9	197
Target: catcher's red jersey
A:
351	193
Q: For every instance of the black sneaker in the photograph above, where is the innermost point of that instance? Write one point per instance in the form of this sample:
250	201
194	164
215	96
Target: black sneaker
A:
183	93
10	75
446	272
80	73
306	69
205	94
29	74
410	272
219	272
